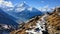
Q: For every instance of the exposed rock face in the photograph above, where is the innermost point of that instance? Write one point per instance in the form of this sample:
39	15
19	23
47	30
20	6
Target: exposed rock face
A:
53	22
34	26
46	24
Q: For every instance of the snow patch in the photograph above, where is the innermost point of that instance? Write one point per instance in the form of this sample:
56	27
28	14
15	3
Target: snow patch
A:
30	9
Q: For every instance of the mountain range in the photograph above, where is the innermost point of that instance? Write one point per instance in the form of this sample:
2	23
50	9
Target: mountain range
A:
19	13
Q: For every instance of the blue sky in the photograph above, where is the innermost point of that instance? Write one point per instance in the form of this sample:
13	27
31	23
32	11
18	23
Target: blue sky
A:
37	3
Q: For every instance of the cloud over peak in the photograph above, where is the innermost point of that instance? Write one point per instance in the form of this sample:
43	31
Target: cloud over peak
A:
4	3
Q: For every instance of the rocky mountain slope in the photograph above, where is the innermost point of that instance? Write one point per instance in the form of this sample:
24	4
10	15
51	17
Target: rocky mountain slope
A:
46	24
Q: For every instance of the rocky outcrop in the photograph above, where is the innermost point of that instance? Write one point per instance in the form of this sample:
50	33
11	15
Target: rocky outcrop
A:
53	22
36	25
46	24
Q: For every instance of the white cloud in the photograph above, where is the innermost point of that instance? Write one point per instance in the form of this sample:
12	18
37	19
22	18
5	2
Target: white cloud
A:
6	3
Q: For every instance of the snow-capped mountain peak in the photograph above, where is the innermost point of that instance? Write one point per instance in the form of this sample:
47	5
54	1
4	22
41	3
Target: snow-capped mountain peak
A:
21	7
24	12
23	3
30	8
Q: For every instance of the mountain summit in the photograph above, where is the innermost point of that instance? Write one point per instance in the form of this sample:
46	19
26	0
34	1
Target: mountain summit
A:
22	6
23	12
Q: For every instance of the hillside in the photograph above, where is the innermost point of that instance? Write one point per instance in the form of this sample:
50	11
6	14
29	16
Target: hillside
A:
46	24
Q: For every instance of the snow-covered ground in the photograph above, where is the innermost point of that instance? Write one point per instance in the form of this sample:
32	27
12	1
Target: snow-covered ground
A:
40	26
